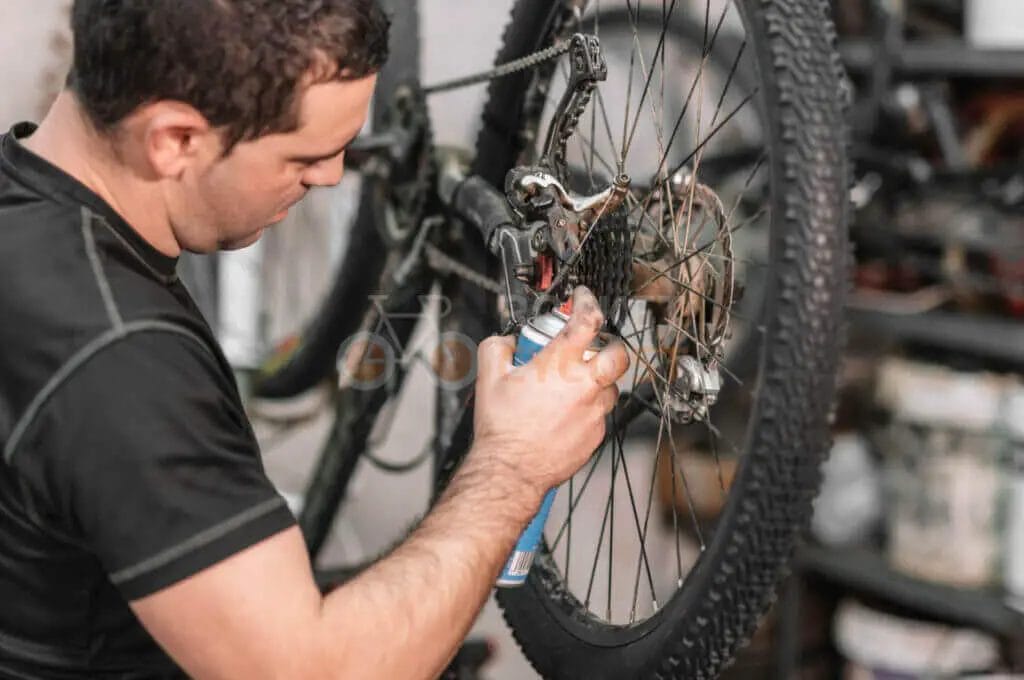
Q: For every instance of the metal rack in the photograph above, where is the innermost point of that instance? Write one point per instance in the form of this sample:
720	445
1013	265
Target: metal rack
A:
934	58
984	336
877	64
866	573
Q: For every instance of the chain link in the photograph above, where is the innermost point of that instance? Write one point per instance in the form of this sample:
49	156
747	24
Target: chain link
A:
440	262
507	69
436	258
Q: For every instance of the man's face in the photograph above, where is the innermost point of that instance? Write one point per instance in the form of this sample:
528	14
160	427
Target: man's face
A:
226	202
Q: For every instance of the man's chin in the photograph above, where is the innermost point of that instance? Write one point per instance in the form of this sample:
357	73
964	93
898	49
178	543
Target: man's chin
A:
243	242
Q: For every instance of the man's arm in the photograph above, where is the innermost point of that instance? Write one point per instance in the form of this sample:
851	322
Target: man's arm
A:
259	614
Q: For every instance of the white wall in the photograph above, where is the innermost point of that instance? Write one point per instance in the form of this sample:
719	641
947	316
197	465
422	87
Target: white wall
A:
463	37
32	63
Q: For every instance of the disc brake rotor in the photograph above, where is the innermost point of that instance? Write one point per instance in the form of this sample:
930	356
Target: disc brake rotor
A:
683	269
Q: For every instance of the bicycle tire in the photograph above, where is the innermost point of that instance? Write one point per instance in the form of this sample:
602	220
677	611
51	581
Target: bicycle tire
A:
733	584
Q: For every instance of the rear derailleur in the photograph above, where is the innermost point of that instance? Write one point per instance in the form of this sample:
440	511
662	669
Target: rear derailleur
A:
550	239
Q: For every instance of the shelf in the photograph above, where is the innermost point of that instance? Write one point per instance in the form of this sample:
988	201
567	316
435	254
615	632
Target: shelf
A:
944	58
866	572
986	336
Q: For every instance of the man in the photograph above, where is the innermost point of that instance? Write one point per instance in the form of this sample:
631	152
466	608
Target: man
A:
136	523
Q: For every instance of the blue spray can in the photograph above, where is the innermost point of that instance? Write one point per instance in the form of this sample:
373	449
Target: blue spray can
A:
534	337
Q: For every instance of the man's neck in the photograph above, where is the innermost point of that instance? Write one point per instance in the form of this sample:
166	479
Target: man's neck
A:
67	140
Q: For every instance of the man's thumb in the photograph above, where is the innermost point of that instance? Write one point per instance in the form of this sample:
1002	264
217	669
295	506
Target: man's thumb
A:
494	357
584	323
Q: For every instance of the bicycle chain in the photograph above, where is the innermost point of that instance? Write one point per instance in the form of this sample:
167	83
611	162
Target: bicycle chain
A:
436	258
439	261
605	263
522	64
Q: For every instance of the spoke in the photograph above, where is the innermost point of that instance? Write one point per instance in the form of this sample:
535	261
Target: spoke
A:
721	437
714	447
650	369
600	542
572	506
699	150
588	145
643	540
761	159
693	86
593	108
661	97
656	114
593	145
748	221
658	52
715	130
568	540
587	142
739	199
666	426
707	349
675	518
641	533
611	526
742	260
634	16
707	18
654	225
608	127
665	275
728	81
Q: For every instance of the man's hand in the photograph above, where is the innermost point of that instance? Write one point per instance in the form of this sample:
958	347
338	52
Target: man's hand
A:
258	614
544	420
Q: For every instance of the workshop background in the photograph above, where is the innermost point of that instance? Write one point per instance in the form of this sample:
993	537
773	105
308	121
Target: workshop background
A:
915	565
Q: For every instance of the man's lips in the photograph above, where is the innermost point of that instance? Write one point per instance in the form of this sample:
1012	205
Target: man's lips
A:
284	213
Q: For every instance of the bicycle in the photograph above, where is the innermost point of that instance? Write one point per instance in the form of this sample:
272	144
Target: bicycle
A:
508	230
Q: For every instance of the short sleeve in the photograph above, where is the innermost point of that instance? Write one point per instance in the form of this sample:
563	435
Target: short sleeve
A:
146	456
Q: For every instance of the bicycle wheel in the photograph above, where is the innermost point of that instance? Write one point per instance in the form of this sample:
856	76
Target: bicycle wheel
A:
652	617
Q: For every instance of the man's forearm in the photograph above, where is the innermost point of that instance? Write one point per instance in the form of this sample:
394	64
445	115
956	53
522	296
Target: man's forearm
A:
405	616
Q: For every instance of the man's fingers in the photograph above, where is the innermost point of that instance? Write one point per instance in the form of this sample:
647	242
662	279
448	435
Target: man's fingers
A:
610	363
583	326
608	398
494	357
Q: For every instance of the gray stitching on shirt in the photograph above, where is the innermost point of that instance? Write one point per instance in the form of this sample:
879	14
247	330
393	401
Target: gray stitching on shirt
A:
205	537
163	278
97	269
77	361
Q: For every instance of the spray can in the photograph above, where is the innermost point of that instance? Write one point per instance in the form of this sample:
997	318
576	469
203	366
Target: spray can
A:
534	337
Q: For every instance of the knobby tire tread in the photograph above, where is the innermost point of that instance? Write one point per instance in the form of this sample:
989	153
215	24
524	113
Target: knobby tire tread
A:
734	584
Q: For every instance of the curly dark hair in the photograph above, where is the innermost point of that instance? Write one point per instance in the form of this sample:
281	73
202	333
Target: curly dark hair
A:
241	63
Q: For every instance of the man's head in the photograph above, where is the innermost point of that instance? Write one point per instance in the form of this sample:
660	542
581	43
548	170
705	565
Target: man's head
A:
233	108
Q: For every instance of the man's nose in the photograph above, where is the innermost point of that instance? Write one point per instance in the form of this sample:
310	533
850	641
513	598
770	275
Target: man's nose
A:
325	174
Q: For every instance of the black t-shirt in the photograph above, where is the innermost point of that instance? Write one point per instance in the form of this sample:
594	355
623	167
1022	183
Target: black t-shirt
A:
127	461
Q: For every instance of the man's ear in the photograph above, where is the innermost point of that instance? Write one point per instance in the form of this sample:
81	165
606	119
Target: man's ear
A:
174	137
